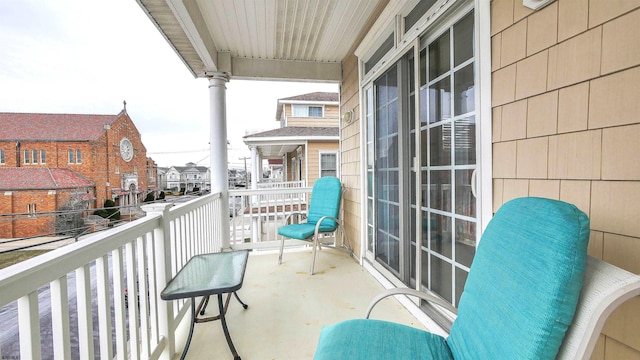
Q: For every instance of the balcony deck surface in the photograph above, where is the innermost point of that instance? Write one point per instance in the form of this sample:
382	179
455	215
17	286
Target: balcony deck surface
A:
288	307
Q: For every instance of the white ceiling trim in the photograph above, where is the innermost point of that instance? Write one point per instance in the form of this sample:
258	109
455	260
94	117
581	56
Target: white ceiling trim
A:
263	69
191	30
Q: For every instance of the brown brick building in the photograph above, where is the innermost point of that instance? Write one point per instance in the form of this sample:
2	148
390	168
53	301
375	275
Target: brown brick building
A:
31	196
106	150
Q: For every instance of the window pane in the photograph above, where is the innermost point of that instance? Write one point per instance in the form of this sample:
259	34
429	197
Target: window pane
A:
440	100
441	277
299	111
328	165
78	156
464	97
440	145
35	156
43	156
465	201
465	242
70	153
315	111
461	279
439	56
465	133
1	156
421	8
463	40
440	194
27	157
441	235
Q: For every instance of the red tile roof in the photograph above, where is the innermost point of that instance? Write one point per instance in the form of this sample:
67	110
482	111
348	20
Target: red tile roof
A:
41	178
53	127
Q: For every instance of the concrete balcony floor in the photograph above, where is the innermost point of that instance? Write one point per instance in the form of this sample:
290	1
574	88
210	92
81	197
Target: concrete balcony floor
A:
288	307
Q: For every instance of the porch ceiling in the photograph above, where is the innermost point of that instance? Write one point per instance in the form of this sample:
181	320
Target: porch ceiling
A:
256	39
275	151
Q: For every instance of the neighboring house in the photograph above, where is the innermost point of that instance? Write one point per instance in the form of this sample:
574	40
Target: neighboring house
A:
105	149
190	177
172	176
162	178
457	107
307	142
30	196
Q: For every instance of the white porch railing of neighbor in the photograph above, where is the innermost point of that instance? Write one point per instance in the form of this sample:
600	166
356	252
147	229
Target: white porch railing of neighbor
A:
256	214
281	184
80	299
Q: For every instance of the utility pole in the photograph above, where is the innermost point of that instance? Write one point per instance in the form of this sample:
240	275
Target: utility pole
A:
246	174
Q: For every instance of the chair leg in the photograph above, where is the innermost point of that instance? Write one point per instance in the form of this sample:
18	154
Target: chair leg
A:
281	250
316	244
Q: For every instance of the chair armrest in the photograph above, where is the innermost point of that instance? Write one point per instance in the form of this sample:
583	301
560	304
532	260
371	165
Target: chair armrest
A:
411	292
322	219
286	219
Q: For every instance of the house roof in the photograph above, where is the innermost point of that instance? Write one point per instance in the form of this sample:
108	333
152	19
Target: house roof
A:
41	178
53	127
310	98
278	142
302	133
314	96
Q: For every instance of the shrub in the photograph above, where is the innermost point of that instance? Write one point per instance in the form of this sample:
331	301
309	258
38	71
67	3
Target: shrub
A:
110	208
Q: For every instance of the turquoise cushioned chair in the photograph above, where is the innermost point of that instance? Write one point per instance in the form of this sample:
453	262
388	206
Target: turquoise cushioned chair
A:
518	301
322	216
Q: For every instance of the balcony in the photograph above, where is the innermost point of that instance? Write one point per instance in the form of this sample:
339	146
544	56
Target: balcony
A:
103	277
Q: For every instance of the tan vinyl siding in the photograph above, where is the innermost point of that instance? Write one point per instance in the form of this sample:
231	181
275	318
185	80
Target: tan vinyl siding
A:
312	122
566	126
351	155
313	160
331	111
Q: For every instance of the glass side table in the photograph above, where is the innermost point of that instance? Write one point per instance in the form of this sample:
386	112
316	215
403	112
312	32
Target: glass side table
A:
205	275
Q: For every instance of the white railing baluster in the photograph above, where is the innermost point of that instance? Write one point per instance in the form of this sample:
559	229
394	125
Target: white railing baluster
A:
133	300
29	321
153	292
143	291
85	320
60	318
118	303
104	307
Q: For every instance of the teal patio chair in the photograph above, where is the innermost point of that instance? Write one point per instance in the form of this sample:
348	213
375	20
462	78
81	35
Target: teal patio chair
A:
518	302
322	216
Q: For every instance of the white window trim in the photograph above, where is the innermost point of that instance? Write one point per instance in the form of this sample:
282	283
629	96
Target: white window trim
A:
329	152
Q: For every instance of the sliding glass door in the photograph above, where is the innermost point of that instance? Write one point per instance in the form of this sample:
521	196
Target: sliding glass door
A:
420	171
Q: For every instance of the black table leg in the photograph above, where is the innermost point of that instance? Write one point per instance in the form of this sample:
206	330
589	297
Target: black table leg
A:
245	306
193	322
224	327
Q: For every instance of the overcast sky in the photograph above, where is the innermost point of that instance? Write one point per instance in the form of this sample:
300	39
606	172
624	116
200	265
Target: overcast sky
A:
86	57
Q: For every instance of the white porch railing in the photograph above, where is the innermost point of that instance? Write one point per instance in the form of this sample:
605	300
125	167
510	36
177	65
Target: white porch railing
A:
257	214
266	184
110	274
102	280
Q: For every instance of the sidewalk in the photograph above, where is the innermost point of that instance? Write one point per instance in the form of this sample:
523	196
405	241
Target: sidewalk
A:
6	245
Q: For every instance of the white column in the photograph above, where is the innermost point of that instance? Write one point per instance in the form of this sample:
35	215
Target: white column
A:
255	167
218	153
255	226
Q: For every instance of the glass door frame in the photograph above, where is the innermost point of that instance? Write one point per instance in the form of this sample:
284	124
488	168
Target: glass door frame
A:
482	76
